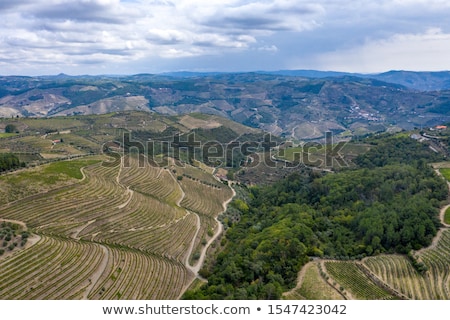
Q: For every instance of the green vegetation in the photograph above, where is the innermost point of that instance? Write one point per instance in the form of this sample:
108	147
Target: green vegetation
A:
353	280
52	173
11	236
447	216
446	173
9	161
11	128
314	286
69	168
7	135
314	154
43	178
391	207
396	149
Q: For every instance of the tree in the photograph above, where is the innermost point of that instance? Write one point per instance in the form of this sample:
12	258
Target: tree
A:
10	128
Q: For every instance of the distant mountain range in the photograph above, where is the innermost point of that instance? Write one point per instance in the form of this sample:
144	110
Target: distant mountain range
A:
424	81
298	104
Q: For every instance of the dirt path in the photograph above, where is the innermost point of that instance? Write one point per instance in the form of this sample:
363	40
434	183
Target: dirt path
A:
193	269
79	229
127	188
130	192
216	234
300	277
178	203
83	174
441	217
95	277
196	268
20	223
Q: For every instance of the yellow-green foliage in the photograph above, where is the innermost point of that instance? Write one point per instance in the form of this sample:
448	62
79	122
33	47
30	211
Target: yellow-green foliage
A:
446	173
314	287
24	183
7	135
447	216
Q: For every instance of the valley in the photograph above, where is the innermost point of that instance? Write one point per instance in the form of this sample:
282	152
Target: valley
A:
294	105
133	204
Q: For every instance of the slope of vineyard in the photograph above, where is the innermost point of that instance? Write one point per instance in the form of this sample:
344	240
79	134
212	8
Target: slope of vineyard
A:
150	180
399	273
351	279
206	197
54	268
130	274
312	285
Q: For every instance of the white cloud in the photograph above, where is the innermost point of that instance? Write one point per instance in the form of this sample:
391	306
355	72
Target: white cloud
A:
41	35
271	48
423	51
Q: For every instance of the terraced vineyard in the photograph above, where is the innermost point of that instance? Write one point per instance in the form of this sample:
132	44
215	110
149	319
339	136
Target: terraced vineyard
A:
205	196
383	276
350	278
312	286
54	268
130	274
151	180
118	233
399	273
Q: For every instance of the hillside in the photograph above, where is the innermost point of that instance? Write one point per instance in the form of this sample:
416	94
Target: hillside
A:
291	106
78	225
126	205
364	229
422	81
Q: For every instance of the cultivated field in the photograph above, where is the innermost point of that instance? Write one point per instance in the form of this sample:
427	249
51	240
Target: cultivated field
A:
110	232
397	271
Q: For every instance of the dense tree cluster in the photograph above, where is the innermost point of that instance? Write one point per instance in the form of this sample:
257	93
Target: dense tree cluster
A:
9	161
393	150
389	204
10	128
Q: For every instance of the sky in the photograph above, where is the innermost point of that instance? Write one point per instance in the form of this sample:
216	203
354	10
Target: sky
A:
43	37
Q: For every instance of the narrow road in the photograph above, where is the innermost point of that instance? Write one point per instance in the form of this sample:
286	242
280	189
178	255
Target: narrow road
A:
196	268
442	215
219	231
300	277
20	223
95	277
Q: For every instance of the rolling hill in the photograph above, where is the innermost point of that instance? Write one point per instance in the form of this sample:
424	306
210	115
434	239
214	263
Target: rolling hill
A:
297	105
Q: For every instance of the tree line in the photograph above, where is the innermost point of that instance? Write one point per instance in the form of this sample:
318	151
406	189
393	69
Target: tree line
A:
9	161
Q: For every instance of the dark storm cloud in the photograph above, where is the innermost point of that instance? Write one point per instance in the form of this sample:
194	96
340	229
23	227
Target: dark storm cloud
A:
272	16
82	11
249	22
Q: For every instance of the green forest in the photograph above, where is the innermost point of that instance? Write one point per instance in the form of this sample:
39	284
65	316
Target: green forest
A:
388	204
9	161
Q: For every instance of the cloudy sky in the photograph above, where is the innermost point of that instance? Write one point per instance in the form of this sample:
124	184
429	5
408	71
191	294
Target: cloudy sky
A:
136	36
